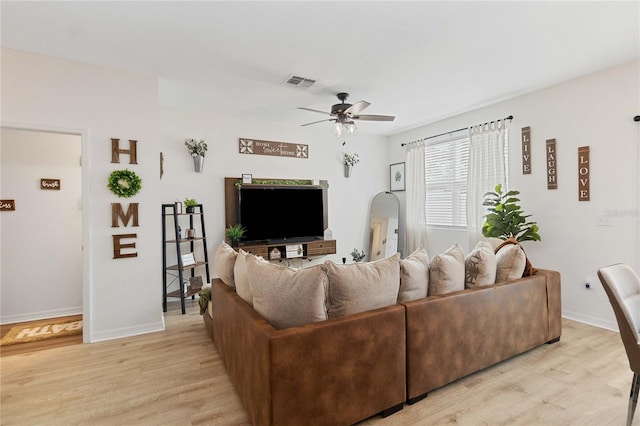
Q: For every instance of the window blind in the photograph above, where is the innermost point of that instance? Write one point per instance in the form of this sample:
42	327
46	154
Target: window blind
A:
446	165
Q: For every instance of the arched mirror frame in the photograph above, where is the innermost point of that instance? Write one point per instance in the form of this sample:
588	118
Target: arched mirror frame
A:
384	225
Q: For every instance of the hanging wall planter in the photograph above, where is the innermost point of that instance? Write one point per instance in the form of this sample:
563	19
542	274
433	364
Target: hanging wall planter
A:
198	163
349	160
197	149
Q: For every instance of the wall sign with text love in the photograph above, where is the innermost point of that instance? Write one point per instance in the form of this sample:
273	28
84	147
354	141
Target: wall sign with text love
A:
583	174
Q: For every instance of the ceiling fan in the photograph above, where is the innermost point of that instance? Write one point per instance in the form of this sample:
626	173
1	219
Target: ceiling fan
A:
344	114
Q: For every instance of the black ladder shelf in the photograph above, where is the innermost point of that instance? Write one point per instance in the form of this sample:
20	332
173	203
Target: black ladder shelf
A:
178	241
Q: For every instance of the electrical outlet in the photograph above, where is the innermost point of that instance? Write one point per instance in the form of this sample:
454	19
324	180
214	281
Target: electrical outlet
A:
603	220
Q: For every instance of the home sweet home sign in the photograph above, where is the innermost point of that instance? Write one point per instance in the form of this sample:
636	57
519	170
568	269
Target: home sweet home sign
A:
272	148
123	247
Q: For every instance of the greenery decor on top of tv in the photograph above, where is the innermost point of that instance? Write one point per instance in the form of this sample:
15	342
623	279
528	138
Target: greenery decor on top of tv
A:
506	219
124	183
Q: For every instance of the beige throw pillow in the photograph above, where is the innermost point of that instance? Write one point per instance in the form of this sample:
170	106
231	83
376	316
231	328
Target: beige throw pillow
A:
446	271
414	276
480	265
360	287
240	277
286	297
510	260
224	263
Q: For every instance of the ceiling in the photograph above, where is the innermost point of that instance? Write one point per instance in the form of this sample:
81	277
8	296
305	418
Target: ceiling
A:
419	60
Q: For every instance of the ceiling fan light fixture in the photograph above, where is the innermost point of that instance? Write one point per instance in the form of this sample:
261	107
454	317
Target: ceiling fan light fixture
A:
337	129
351	127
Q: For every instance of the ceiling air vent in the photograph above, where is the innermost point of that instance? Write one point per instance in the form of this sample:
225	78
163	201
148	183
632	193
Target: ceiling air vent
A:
299	82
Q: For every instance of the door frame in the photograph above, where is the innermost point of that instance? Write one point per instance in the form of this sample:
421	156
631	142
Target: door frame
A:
86	217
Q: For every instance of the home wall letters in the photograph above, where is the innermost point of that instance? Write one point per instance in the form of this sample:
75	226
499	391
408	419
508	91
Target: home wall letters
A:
117	212
116	151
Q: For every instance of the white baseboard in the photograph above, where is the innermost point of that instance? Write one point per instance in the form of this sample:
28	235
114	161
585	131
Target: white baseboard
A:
586	319
119	333
32	316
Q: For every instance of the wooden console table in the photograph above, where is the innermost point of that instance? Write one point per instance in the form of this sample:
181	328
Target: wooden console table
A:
310	249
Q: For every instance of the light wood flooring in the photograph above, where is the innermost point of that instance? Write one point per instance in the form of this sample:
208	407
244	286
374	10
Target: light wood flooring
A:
39	345
176	377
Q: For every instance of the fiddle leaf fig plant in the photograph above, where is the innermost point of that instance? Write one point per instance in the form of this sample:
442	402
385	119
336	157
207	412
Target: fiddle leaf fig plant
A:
506	219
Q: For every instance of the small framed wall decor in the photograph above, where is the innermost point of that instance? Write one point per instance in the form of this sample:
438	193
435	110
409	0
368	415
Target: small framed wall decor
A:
188	259
247	178
396	177
195	283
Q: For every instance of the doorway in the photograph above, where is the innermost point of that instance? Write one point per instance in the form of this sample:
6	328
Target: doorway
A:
41	240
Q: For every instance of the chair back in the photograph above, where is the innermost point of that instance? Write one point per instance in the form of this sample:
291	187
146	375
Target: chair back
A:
622	286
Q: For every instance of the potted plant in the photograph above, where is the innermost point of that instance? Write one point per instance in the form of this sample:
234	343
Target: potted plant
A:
234	233
357	255
197	149
349	160
506	219
190	204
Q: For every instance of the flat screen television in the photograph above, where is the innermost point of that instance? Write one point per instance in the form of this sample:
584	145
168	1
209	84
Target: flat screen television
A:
281	214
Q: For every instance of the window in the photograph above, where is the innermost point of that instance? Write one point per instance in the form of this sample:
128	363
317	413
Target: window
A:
446	165
446	182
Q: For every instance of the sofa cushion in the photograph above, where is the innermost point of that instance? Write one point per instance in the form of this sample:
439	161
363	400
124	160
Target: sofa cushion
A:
240	277
224	263
446	271
287	297
510	260
414	276
360	287
480	265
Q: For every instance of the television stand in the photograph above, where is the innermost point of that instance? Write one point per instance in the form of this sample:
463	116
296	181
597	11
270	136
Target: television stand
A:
310	248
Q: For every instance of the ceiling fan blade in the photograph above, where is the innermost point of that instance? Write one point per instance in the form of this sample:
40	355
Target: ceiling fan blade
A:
321	121
356	108
374	117
315	110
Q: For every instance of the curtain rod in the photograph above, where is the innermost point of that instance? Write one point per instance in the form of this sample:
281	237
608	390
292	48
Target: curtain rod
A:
452	131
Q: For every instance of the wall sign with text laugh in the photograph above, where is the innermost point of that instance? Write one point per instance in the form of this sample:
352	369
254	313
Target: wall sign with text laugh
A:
552	165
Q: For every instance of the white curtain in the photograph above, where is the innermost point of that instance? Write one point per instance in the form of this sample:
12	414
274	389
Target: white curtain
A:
416	217
486	169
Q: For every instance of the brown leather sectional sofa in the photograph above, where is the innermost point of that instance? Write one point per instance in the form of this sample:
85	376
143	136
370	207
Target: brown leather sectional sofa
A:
347	369
454	335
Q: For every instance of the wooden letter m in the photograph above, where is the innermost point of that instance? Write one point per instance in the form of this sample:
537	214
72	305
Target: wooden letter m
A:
118	213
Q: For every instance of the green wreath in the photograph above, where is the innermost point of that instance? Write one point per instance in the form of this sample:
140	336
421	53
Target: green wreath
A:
124	183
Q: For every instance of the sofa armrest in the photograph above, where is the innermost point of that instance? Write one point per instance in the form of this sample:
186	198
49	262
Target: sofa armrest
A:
242	339
554	303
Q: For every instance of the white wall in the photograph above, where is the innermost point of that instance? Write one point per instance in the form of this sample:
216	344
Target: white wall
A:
120	297
349	198
41	241
596	110
123	297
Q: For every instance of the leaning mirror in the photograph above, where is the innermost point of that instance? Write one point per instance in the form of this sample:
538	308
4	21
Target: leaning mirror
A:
385	209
